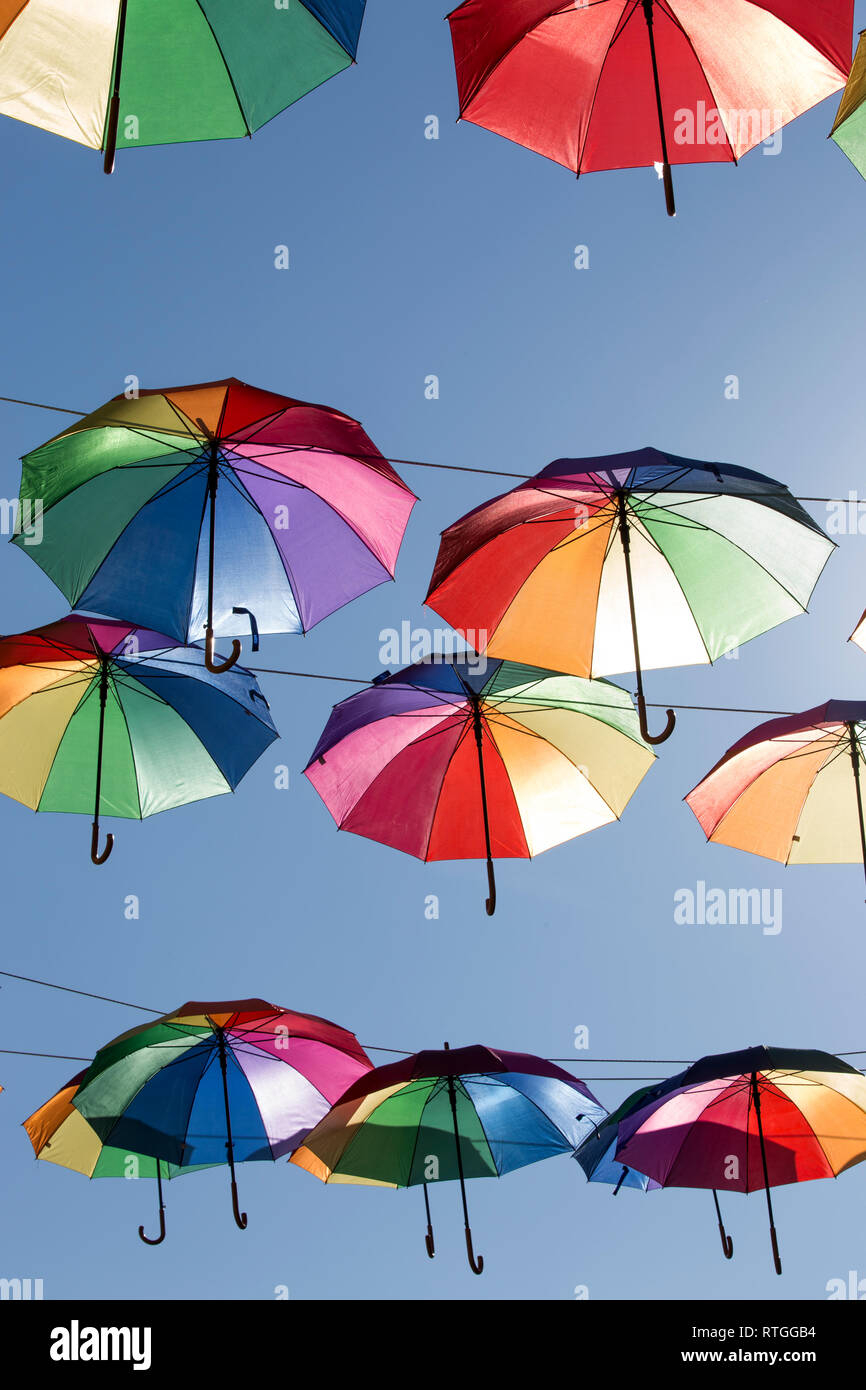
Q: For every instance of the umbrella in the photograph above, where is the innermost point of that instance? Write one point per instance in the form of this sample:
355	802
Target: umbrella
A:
849	127
310	514
792	789
753	1119
628	562
615	84
444	760
470	1112
98	715
223	1082
60	1135
858	636
597	1156
115	73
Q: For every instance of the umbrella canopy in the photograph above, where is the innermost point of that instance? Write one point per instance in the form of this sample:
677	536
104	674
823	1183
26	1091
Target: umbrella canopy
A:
627	563
858	636
100	716
597	1154
212	1083
748	1120
467	1112
849	127
118	73
792	789
59	1134
446	761
310	515
614	84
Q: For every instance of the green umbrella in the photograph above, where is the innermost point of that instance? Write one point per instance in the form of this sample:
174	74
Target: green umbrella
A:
115	73
849	127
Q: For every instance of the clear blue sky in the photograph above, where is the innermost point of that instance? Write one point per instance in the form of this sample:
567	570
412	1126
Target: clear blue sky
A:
412	257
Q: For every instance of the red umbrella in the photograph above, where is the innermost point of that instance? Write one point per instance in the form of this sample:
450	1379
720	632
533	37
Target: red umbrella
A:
614	84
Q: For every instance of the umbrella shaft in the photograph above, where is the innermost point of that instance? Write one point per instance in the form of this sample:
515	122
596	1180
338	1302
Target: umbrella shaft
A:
626	550
756	1096
648	15
479	740
855	762
453	1098
103	697
221	1042
213	483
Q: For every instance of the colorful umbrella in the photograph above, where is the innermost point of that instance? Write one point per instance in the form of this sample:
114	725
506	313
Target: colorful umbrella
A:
117	73
849	127
213	1083
310	514
60	1135
791	789
444	760
468	1113
628	562
103	716
615	84
750	1120
597	1155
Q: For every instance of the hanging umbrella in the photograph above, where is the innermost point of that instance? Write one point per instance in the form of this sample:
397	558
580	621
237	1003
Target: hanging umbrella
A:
100	716
628	562
116	73
597	1155
213	1083
468	1113
446	761
615	84
60	1135
749	1120
792	789
849	127
310	515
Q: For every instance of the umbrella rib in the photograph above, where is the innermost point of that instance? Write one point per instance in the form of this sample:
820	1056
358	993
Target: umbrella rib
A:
516	44
620	26
670	11
227	68
294	589
467	725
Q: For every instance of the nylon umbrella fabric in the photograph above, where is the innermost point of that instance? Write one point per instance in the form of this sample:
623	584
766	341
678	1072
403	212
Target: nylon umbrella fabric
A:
217	502
742	1121
237	1081
460	1113
849	127
858	636
98	716
108	73
628	562
621	83
449	760
597	1153
792	789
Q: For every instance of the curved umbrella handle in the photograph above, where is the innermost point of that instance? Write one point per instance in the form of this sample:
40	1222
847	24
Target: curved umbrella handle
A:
95	856
215	667
240	1216
490	903
154	1240
476	1264
645	733
727	1243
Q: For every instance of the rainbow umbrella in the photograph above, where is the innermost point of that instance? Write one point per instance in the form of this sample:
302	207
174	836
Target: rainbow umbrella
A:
230	1082
749	1120
118	73
446	760
791	789
101	716
310	514
60	1135
626	563
615	84
597	1155
849	127
470	1112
